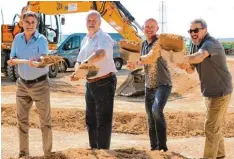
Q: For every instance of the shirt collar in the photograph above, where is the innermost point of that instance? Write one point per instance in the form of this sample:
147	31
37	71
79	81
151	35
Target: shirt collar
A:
35	35
205	38
95	34
153	40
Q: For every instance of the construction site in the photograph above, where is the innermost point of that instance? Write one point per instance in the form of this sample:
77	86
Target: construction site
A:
184	112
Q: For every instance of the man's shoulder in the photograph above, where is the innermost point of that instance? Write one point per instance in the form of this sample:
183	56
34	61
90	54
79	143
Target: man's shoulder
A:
41	37
84	39
105	35
211	41
18	36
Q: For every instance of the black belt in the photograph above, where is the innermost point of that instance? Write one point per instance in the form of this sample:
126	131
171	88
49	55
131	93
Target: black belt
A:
39	79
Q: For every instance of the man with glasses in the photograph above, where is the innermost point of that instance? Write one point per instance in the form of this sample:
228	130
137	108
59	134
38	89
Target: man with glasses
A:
33	84
208	57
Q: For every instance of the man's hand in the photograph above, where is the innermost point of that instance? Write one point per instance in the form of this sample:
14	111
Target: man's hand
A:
11	62
186	66
189	69
183	66
79	74
31	63
73	78
133	66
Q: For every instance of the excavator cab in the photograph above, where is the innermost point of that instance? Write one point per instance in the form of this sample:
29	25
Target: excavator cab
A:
49	26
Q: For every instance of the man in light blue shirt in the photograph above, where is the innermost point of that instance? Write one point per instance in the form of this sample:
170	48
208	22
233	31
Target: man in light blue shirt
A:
32	49
33	84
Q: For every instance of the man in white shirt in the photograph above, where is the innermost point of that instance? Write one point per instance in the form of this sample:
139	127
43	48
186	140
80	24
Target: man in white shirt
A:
97	49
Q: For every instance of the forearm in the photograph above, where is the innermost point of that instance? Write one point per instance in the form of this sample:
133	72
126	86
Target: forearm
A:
96	56
197	57
194	59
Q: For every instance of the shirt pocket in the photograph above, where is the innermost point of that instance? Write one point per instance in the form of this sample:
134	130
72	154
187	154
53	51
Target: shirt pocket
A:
34	51
93	45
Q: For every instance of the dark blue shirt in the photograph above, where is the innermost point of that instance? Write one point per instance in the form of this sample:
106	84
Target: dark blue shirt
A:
215	78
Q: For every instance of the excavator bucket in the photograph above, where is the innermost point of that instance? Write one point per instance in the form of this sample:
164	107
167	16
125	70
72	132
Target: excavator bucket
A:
134	85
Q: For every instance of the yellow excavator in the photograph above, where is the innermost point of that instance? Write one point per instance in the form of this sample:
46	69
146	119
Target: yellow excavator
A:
50	20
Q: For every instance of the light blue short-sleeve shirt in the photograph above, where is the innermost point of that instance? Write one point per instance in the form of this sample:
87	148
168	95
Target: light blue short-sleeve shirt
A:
36	46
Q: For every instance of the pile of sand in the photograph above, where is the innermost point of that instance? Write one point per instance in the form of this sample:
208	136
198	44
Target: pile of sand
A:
110	154
179	124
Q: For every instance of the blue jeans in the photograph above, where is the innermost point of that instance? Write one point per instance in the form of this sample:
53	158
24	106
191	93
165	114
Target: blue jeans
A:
99	111
155	101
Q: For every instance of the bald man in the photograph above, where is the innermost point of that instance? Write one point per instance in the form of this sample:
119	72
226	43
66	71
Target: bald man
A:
158	88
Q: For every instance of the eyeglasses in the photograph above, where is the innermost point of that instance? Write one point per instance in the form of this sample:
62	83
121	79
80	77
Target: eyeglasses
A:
28	23
196	30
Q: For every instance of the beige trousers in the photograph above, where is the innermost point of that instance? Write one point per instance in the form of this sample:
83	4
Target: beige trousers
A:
25	95
216	109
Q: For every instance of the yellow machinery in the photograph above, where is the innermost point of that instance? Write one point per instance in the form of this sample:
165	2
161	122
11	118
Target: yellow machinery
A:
113	12
49	12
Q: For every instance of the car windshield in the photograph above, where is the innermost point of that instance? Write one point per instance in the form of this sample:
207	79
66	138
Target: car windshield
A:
63	37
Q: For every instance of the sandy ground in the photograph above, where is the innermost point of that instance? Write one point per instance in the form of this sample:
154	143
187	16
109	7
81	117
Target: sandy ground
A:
184	113
79	142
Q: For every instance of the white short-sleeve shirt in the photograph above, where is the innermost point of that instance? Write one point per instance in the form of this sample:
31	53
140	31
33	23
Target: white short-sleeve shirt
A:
99	40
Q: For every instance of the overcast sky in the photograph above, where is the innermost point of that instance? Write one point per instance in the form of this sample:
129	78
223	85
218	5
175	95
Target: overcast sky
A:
179	13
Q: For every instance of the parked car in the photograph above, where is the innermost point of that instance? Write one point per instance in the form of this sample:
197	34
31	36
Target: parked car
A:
69	49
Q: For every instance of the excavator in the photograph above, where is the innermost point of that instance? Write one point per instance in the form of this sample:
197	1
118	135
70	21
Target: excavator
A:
50	20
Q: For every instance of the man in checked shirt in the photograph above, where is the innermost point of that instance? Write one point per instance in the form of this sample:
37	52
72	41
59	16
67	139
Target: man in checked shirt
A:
158	88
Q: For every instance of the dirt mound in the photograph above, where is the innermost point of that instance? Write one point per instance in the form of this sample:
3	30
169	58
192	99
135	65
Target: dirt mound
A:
190	84
110	154
184	83
179	124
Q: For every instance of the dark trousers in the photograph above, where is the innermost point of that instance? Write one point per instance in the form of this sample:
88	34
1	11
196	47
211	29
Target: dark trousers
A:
99	111
155	101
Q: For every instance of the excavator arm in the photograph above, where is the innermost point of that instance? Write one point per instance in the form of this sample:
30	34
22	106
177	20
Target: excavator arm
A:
114	13
118	17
